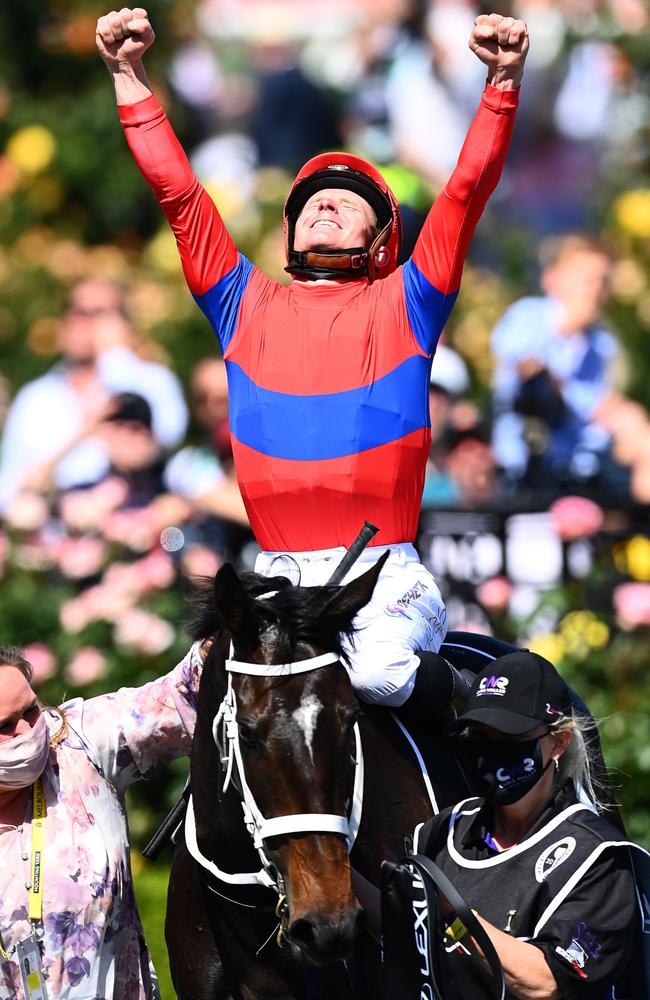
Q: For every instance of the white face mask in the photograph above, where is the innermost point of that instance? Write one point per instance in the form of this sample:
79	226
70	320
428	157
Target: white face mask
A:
23	758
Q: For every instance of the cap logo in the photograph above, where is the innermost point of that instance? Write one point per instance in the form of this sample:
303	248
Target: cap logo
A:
553	711
493	685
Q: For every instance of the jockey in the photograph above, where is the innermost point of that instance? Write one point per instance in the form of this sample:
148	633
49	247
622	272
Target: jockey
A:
328	376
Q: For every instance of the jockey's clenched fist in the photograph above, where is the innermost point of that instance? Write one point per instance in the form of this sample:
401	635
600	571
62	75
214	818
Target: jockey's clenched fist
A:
124	36
502	44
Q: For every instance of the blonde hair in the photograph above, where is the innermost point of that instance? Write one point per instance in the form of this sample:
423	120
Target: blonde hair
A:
578	762
555	249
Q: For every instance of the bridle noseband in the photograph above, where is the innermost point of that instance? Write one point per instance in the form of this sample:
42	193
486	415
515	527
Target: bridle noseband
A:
226	736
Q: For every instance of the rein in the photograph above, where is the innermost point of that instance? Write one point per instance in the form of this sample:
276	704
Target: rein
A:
225	732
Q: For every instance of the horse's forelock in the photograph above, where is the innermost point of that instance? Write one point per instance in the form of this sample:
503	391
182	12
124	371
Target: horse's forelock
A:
299	613
202	621
257	585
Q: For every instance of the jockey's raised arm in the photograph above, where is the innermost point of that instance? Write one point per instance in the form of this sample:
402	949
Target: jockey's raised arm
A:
440	251
328	376
207	252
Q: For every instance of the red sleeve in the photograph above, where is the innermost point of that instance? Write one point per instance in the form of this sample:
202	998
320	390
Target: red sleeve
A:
442	246
206	248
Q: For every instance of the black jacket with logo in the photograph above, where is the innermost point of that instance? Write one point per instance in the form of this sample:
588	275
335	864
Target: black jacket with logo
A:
568	888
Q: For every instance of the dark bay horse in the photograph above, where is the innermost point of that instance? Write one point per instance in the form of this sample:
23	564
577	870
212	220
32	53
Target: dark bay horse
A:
260	900
297	748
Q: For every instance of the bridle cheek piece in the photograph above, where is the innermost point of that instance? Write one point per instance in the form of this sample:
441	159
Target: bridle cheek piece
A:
226	737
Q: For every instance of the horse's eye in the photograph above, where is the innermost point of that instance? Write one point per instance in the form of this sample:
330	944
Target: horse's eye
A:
247	733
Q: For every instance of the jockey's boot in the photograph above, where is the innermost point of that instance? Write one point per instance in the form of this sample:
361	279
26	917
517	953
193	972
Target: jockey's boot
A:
438	687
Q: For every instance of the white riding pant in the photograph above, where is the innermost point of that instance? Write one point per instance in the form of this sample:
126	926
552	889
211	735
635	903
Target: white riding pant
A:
405	615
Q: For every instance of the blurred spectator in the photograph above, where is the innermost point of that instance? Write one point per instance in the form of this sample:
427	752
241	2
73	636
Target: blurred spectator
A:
209	405
471	466
461	471
203	474
449	380
292	119
142	495
135	456
52	422
554	372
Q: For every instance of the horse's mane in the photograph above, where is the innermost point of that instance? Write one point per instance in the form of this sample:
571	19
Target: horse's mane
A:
297	612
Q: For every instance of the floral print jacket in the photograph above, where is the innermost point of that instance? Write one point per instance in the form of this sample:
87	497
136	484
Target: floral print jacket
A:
93	947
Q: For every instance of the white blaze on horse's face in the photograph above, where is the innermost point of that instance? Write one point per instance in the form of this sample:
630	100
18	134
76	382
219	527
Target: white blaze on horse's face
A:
306	716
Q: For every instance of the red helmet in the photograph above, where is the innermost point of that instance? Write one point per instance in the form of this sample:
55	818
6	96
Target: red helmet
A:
343	170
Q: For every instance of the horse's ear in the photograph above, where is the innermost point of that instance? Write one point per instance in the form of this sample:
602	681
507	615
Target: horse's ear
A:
231	602
348	601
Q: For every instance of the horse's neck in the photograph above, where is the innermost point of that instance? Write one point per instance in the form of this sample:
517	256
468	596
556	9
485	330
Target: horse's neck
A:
395	796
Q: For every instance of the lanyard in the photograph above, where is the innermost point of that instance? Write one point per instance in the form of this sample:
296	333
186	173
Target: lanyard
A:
35	911
38	854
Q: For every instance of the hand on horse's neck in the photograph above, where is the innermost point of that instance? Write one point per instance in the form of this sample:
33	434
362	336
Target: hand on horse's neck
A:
13	803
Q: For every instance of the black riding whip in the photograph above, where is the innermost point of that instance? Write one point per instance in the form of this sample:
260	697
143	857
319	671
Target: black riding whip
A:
363	539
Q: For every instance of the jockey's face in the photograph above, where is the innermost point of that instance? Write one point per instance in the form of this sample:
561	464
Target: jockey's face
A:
335	219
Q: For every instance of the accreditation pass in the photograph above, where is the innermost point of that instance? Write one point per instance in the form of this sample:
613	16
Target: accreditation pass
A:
29	960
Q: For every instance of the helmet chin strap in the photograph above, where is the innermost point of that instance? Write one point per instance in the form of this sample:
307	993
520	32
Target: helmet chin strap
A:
354	263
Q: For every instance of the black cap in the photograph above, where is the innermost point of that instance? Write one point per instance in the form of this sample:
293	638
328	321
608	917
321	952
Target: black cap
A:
131	408
515	694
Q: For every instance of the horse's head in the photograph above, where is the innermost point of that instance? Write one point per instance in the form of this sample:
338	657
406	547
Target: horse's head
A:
296	739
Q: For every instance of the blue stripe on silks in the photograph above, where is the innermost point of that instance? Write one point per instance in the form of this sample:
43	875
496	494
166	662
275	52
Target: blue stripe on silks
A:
330	425
221	303
427	308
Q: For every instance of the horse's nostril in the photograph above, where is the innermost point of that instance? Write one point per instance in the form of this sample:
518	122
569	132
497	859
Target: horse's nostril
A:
322	939
302	932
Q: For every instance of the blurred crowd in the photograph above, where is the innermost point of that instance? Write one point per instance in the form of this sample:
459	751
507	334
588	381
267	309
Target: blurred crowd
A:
559	421
115	462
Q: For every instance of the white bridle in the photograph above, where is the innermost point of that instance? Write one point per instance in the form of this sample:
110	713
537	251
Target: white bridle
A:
226	737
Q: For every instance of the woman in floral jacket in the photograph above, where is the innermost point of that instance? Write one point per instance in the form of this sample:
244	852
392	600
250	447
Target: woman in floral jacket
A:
86	936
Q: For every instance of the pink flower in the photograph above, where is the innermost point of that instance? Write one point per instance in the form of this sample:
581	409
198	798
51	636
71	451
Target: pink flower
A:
78	512
86	666
43	661
111	493
157	569
26	512
494	594
575	517
73	616
133	528
86	510
79	558
632	604
123	578
144	632
199	560
106	602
